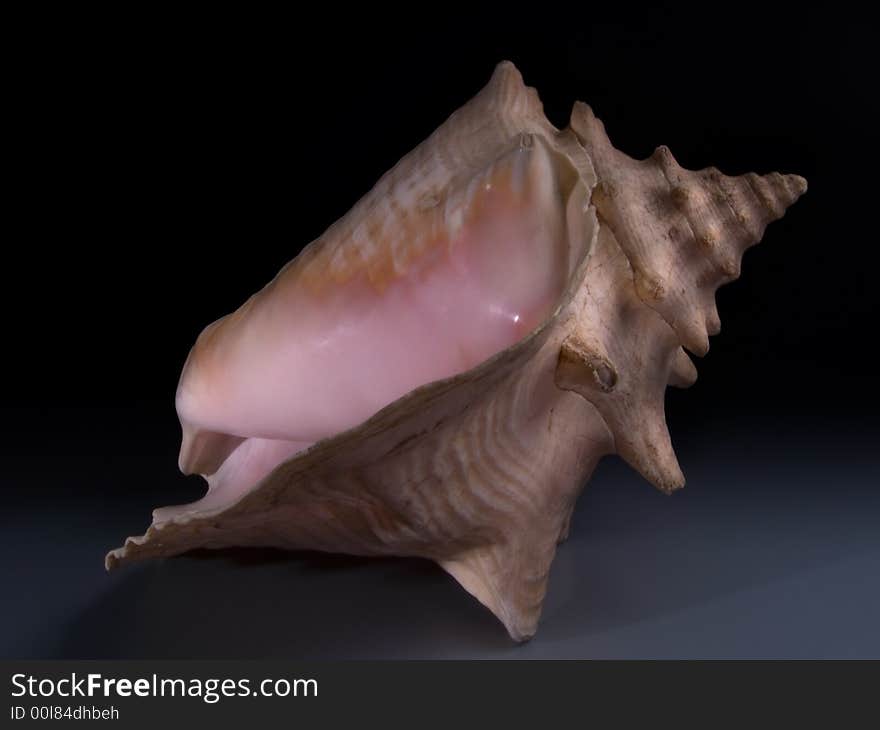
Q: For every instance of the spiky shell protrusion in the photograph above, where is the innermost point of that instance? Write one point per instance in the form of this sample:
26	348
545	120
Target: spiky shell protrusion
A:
683	232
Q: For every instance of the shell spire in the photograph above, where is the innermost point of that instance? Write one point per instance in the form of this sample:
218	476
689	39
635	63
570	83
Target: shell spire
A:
668	238
684	232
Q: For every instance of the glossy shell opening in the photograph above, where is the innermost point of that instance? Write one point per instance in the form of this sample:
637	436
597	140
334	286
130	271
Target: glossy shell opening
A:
294	366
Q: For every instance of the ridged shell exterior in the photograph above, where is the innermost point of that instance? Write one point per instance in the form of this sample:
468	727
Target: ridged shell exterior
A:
480	472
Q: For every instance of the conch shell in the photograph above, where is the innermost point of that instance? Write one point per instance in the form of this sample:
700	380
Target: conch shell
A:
439	373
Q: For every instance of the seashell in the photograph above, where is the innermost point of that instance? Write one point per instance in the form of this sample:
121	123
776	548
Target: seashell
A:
438	374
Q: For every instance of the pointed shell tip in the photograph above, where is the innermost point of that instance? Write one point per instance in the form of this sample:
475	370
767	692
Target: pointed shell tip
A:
797	183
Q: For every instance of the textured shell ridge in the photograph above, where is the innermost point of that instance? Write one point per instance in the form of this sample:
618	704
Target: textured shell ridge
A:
499	116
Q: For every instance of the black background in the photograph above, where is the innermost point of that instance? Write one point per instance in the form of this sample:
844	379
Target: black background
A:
166	167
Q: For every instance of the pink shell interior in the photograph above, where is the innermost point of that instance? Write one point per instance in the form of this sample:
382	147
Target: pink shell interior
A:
295	365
